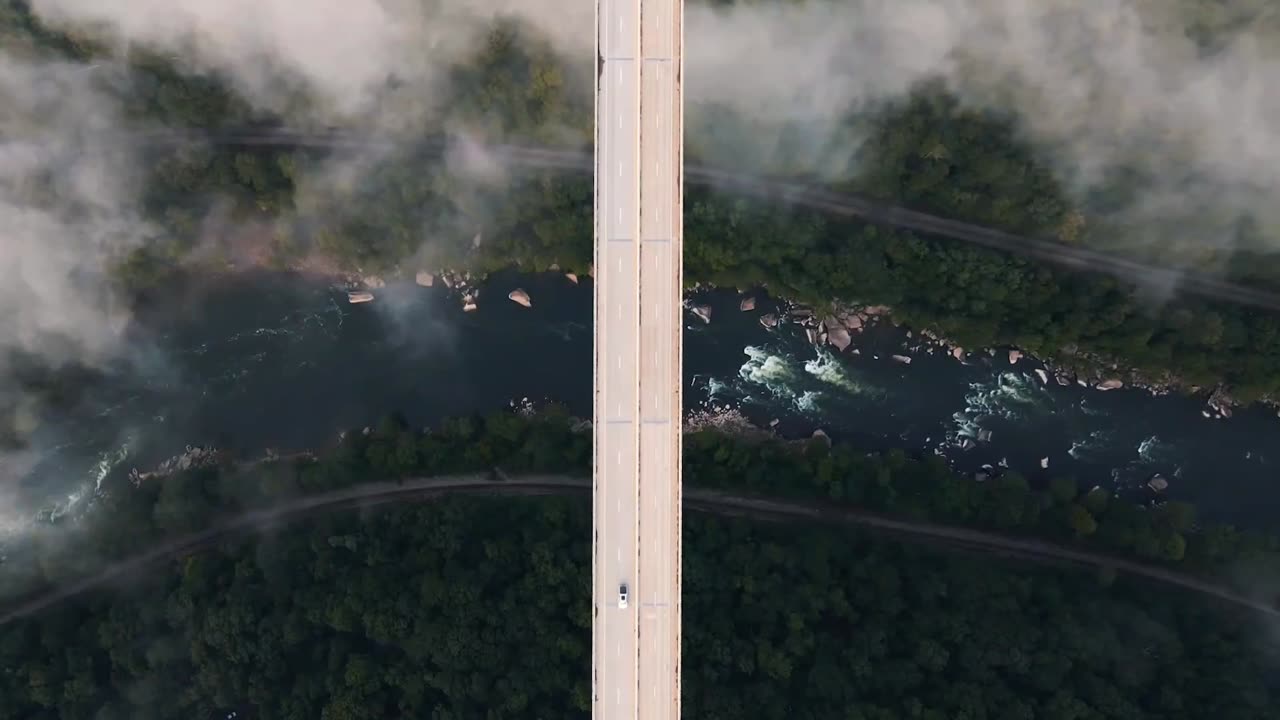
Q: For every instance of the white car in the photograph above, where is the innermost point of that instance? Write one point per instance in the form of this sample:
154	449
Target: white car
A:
622	596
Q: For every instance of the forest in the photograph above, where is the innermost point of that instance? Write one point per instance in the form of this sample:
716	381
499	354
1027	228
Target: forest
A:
479	608
128	516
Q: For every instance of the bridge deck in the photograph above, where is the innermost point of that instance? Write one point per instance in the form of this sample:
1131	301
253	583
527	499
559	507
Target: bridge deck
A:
638	400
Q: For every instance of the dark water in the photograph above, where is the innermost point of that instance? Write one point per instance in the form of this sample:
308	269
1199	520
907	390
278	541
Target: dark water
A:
286	363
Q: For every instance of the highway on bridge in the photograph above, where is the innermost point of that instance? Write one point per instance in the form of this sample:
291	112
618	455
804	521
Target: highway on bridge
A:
638	402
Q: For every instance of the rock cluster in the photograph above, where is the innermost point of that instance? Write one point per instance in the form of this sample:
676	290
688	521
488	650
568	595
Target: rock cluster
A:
460	282
194	456
724	419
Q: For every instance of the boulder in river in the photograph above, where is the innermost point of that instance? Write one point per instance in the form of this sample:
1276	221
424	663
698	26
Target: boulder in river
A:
984	436
373	281
839	337
359	297
520	297
1158	483
1044	376
812	334
1014	357
1044	462
957	352
424	278
1112	384
572	278
748	304
819	434
904	359
769	320
468	306
703	312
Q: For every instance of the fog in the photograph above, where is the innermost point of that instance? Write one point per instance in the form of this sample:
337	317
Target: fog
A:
68	205
771	87
1095	87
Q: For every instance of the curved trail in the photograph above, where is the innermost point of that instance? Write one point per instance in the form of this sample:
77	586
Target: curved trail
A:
794	193
417	489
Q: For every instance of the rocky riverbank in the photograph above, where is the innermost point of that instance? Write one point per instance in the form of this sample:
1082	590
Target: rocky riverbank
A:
840	325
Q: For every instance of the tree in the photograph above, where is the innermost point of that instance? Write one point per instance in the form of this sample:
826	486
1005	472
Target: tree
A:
1173	546
1081	521
1063	490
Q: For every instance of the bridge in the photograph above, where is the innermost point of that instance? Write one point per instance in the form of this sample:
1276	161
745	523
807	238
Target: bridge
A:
638	402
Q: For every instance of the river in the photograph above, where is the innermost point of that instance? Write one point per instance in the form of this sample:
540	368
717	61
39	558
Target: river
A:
284	362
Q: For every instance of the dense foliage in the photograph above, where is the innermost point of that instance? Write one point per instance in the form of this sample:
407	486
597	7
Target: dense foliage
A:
479	609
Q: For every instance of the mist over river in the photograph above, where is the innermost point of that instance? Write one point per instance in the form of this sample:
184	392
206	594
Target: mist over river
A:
284	362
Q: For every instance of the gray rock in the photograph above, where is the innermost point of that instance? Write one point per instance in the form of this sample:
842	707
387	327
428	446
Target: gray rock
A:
520	297
839	338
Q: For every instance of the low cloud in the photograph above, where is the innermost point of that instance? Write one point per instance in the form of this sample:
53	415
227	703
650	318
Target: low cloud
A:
68	208
69	204
1129	85
773	84
347	53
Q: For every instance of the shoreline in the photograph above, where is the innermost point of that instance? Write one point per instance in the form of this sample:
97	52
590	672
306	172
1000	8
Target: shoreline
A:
843	319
